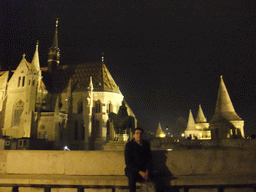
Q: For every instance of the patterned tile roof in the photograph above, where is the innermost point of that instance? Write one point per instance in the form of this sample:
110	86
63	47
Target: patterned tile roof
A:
80	78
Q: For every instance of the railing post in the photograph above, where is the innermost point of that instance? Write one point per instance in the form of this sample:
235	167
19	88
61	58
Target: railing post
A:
15	189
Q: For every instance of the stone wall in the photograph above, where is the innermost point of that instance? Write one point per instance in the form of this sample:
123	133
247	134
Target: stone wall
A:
176	162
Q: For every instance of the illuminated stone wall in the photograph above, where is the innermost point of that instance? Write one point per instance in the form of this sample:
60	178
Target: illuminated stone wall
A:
180	162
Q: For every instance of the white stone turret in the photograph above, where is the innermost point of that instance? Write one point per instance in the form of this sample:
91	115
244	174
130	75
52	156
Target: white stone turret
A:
159	132
225	122
200	116
191	127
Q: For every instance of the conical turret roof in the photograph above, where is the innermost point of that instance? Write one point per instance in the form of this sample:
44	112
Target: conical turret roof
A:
200	116
191	122
159	132
224	108
35	61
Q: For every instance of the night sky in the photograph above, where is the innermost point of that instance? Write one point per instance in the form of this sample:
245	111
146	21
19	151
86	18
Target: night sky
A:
165	56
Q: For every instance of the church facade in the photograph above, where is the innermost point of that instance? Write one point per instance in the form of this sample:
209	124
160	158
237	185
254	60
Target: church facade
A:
61	104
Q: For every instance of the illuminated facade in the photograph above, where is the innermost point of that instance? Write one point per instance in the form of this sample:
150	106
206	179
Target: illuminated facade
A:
66	105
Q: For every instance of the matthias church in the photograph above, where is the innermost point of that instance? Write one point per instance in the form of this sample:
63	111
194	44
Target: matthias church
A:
59	105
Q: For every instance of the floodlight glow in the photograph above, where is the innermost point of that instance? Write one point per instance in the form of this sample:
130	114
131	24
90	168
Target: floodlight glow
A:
66	148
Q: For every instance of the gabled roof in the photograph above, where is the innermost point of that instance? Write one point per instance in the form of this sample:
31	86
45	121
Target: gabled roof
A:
58	80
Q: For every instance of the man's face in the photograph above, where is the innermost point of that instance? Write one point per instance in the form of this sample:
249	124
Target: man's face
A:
138	135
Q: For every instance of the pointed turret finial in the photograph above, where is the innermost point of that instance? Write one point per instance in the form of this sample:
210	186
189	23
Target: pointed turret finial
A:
24	55
90	88
54	52
35	61
159	132
200	116
191	122
57	22
102	57
223	103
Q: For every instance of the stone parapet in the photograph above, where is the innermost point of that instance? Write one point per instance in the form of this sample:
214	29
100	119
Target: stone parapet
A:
102	163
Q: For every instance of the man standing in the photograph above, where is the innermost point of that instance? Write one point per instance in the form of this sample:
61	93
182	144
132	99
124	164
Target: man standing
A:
138	159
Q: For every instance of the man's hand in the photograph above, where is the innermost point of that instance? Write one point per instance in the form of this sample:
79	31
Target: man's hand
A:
144	175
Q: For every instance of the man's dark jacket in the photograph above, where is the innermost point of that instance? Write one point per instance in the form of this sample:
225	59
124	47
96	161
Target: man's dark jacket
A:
137	157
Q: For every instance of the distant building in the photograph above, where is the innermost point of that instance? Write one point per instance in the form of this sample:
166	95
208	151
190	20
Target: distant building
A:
160	133
224	124
62	104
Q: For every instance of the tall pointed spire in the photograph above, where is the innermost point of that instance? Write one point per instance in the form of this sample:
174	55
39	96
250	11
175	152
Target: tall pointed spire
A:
35	61
224	107
102	58
225	122
224	103
90	88
54	52
191	122
159	132
200	116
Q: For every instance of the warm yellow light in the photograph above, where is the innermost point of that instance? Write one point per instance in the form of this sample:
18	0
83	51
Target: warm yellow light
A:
182	135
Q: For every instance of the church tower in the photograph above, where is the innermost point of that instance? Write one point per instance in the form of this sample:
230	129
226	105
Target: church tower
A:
225	122
54	52
21	101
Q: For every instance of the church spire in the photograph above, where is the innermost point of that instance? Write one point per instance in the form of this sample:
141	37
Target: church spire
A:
35	61
200	116
54	52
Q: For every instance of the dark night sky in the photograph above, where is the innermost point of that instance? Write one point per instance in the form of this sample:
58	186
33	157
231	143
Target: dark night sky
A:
166	56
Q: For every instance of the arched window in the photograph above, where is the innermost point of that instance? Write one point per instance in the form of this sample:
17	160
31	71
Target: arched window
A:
109	106
45	135
18	109
23	81
98	107
19	81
